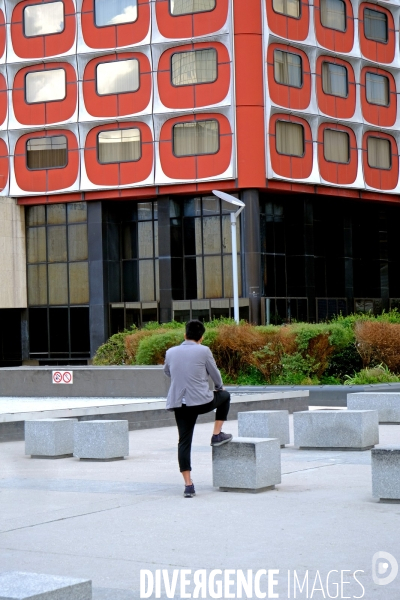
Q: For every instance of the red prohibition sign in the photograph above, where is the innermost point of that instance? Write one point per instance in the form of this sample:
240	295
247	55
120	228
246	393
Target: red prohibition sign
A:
57	377
67	377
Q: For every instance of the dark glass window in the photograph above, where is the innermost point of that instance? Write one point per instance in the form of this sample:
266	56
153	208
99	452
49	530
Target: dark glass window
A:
187	7
120	145
377	89
196	138
334	79
375	25
288	68
333	14
47	152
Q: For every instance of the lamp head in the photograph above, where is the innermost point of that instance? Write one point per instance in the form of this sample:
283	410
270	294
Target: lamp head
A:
229	198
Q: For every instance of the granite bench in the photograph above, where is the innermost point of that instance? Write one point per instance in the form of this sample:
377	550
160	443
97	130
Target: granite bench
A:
386	403
49	438
385	464
336	429
247	465
101	440
19	585
265	424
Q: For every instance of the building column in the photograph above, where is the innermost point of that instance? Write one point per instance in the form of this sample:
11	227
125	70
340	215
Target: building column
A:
98	317
251	253
309	257
348	259
164	258
383	259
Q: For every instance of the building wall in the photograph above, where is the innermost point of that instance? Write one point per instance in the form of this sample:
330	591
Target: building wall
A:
12	255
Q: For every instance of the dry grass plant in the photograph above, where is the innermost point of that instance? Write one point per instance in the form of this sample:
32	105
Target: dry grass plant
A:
379	342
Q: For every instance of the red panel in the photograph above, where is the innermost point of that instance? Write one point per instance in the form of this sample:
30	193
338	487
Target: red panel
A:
338	173
377	51
285	95
337	41
4	165
289	27
194	96
125	173
2	33
117	105
42	45
291	166
191	25
44	113
114	36
384	116
3	99
46	180
335	106
196	167
381	179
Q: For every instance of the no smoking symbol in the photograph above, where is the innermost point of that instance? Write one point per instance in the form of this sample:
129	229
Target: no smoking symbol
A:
57	377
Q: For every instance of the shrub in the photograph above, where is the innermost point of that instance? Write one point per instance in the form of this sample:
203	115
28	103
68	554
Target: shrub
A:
113	352
379	342
152	349
342	362
378	374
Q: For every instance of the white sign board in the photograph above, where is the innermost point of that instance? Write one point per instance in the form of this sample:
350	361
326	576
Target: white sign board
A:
65	377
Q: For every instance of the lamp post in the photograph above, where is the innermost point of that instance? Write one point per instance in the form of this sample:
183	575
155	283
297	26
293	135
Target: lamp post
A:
234	215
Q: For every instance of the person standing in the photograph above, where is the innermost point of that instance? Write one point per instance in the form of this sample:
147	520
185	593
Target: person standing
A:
189	365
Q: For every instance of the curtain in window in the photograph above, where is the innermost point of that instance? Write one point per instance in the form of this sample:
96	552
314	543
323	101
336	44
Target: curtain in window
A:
379	153
289	138
46	153
377	89
375	25
114	12
336	146
117	77
43	19
199	66
288	68
290	8
45	86
333	14
182	7
201	137
120	145
334	79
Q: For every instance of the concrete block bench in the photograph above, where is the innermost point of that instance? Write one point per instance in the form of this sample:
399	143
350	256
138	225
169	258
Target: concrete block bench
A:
18	585
336	429
247	465
386	403
265	424
101	440
49	438
386	473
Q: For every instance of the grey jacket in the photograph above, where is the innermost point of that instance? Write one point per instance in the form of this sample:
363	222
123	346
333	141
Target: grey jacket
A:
189	366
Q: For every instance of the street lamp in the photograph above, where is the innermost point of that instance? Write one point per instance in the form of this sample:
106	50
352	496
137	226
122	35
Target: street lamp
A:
235	202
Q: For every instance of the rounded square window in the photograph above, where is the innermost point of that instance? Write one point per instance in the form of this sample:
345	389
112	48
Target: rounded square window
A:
47	152
196	138
43	19
379	153
289	138
334	80
197	66
288	68
117	77
377	89
336	146
119	145
289	8
45	86
190	7
375	25
333	14
114	12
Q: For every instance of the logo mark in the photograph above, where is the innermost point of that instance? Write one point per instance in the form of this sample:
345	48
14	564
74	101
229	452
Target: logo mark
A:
384	568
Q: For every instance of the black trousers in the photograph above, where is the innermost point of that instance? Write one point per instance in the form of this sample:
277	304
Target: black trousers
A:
186	417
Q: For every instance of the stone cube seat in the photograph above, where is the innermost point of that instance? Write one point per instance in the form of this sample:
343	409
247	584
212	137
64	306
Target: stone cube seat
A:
247	465
386	403
49	438
336	429
385	463
19	585
265	424
101	440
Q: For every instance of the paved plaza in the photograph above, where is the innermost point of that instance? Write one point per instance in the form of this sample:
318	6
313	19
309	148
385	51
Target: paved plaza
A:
108	520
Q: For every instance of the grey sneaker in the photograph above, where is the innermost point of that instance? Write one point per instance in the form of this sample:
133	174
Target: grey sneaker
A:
221	438
189	491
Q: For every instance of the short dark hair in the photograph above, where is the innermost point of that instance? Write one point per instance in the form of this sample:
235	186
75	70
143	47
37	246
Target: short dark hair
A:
194	330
